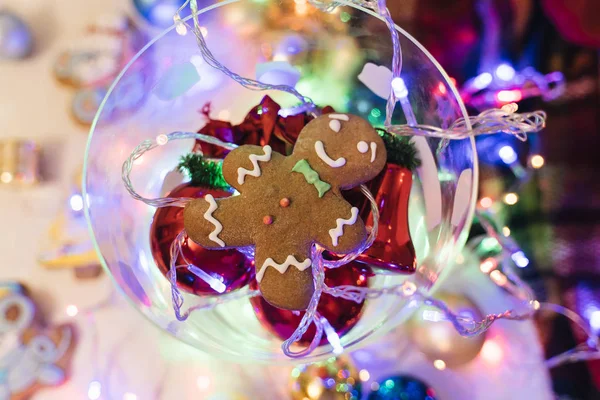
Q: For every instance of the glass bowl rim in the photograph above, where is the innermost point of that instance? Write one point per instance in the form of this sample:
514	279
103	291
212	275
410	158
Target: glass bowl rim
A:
460	242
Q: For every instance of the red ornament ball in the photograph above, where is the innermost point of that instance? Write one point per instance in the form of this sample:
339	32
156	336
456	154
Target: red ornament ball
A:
341	314
232	266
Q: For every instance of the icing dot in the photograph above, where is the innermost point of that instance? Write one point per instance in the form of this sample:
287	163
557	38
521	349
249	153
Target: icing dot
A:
267	220
362	146
335	125
285	202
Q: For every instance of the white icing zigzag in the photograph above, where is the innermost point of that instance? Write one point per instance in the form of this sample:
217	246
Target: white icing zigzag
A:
338	231
282	268
214	235
255	172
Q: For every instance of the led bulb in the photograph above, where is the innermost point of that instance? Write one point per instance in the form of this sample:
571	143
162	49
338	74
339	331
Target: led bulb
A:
399	87
179	25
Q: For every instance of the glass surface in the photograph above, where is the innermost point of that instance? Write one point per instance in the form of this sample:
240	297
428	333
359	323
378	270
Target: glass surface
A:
163	90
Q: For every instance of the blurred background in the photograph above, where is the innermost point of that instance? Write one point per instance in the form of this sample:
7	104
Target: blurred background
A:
57	59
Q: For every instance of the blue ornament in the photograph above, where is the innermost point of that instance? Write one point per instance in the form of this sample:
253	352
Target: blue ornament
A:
402	387
160	13
16	41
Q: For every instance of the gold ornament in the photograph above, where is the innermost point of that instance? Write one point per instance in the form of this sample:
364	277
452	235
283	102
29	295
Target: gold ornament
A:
334	379
437	338
19	160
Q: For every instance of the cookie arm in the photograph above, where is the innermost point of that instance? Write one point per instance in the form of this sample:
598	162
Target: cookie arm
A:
340	230
244	165
217	223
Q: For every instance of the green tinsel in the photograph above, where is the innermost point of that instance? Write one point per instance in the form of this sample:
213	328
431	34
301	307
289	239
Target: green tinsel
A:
202	172
400	150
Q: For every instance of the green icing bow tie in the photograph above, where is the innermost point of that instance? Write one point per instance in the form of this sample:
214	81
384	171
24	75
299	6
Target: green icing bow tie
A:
311	176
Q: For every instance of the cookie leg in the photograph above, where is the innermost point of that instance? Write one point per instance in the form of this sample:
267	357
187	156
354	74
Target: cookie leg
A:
217	224
285	277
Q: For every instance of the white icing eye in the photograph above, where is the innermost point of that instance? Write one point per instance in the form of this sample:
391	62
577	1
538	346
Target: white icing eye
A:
362	146
335	125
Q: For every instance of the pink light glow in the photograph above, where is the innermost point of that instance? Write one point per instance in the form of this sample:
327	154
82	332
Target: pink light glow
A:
492	352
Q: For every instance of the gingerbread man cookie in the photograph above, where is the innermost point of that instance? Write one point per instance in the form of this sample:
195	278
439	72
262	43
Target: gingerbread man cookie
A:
288	204
32	356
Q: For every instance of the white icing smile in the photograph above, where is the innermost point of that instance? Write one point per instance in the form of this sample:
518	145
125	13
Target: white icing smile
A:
320	149
282	268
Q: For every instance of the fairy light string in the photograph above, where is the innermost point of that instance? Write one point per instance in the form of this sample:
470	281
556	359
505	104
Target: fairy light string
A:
504	120
407	290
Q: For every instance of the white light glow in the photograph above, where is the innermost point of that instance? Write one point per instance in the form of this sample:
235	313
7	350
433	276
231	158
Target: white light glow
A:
439	364
520	259
197	60
483	80
510	108
488	265
6	177
129	396
505	72
364	375
507	154
72	310
511	199
537	161
399	88
332	337
180	27
498	277
76	202
433	316
162	139
408	288
212	281
94	390
203	382
314	389
595	320
486	202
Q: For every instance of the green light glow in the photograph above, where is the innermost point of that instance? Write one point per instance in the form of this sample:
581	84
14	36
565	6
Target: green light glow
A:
489	244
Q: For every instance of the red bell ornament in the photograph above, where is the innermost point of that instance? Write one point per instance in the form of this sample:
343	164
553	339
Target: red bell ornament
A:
393	248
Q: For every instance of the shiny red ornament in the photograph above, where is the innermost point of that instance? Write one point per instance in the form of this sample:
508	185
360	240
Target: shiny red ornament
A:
235	269
393	249
341	314
262	126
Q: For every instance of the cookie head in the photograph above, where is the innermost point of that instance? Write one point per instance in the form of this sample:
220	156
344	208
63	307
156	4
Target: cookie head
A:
345	150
